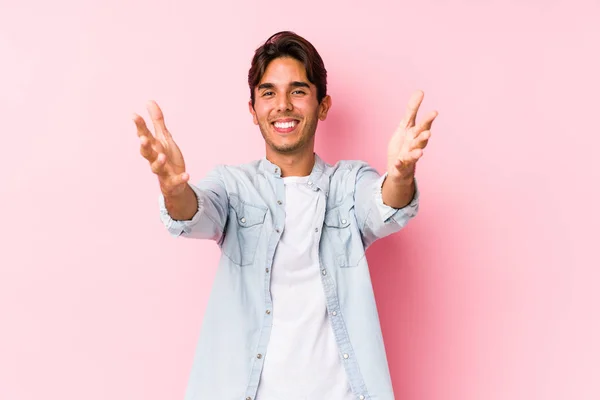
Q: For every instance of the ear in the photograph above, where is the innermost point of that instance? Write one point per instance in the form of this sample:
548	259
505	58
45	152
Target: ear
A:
324	107
251	108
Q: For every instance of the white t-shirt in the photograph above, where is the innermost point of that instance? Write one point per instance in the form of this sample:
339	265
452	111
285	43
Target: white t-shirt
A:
302	360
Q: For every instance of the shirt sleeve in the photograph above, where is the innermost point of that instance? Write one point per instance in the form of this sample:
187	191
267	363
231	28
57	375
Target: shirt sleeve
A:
376	219
399	215
211	216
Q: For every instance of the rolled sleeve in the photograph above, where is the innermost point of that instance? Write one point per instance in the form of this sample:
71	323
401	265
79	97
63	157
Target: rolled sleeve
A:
376	219
211	215
179	227
399	215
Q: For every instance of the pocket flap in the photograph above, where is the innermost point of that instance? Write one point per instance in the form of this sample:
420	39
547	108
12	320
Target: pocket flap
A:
247	214
338	217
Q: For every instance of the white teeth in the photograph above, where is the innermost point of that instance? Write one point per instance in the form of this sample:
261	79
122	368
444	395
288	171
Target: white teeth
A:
285	125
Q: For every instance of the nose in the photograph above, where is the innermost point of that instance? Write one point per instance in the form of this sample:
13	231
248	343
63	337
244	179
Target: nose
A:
284	103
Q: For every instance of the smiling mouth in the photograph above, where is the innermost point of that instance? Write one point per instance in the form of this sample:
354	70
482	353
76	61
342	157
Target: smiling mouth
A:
285	126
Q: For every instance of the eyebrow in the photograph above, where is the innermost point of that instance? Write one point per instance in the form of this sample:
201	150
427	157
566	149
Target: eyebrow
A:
294	84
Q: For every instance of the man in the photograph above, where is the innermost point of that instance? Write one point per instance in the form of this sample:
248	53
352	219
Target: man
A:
292	314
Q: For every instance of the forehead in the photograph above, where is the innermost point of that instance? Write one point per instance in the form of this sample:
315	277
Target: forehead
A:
284	70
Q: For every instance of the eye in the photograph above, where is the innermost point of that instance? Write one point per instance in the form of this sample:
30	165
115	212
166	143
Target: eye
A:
298	92
267	93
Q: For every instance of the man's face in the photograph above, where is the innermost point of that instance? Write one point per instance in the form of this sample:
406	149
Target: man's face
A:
286	107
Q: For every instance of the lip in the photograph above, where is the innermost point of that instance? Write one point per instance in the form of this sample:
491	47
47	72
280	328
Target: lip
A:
285	131
285	120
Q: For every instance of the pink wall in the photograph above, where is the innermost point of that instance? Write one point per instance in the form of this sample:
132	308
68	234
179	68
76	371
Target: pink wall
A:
492	293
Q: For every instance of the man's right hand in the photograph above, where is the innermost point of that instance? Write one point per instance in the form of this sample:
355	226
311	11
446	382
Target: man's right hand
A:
166	161
164	156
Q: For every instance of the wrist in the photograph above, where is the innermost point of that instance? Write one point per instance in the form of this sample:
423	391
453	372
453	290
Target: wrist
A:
400	180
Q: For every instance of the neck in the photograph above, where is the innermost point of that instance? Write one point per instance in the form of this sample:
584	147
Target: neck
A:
296	164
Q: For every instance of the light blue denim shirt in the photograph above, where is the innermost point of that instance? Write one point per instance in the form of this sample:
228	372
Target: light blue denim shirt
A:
242	208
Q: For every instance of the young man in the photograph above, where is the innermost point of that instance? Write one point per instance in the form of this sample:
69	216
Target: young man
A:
292	314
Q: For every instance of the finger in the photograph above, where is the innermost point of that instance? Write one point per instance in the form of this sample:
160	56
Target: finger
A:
159	165
421	141
425	125
409	157
416	154
158	120
412	156
172	183
410	115
142	129
146	149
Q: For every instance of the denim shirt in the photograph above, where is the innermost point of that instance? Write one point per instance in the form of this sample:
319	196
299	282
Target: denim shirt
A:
242	208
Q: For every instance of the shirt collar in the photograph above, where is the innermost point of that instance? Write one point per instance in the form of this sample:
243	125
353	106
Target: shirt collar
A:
317	179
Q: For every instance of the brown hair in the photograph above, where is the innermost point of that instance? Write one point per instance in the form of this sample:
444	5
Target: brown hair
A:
289	44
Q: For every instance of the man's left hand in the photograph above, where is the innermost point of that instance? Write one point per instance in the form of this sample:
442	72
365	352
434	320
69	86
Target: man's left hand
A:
409	140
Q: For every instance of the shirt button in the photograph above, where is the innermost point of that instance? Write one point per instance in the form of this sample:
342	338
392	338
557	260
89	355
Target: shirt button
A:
361	397
243	220
334	313
259	356
268	312
346	356
248	398
277	230
324	271
309	183
276	170
316	229
267	270
344	221
279	202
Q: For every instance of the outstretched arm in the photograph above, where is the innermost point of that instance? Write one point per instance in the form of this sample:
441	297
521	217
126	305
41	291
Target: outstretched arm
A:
194	211
404	150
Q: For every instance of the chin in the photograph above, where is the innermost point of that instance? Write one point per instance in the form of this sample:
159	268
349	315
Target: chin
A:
287	147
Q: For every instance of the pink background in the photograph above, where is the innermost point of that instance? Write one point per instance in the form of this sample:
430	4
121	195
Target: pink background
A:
491	293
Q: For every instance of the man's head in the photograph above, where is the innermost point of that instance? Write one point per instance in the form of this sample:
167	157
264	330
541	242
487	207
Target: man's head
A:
288	92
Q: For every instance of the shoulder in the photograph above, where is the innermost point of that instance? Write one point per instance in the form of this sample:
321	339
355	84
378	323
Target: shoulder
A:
238	171
348	169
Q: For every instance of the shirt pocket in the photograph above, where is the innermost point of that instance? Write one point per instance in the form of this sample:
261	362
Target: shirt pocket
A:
244	228
342	231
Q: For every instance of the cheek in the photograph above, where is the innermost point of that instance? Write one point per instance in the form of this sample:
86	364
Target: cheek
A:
259	116
308	108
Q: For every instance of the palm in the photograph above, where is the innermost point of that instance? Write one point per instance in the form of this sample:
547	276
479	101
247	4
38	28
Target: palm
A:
397	147
406	145
175	163
162	152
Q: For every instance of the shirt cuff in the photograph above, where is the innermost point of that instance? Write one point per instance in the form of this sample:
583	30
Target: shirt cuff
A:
398	214
177	227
